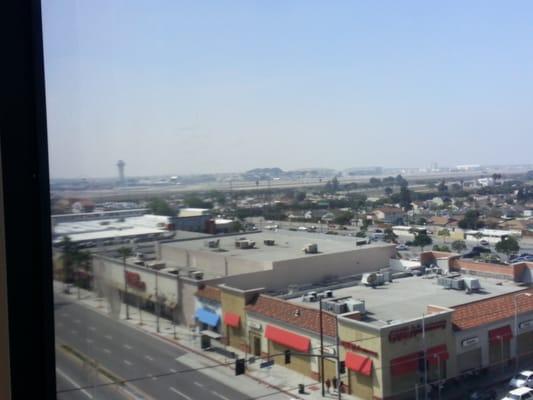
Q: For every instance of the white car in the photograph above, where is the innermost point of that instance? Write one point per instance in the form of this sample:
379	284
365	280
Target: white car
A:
524	378
402	247
523	393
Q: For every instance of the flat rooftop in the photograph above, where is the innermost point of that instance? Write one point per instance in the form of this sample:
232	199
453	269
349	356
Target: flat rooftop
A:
288	245
407	298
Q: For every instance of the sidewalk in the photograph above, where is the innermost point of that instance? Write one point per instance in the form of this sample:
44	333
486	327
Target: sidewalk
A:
276	377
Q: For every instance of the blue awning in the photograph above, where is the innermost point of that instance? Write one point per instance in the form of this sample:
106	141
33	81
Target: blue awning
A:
207	317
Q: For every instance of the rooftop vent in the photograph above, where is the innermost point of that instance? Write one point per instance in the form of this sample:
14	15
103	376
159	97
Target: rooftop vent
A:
311	248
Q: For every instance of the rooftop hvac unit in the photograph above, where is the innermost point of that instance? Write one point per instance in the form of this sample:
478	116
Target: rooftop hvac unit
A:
310	297
156	265
472	284
451	283
356	305
198	275
269	242
311	248
340	308
244	244
213	244
373	279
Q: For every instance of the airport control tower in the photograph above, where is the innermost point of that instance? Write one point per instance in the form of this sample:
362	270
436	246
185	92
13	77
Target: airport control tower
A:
121	164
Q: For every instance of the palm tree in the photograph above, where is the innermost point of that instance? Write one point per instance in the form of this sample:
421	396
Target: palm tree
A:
69	254
125	252
81	259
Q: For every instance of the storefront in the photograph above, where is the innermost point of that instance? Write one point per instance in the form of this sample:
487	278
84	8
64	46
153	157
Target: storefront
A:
207	320
360	370
281	340
500	345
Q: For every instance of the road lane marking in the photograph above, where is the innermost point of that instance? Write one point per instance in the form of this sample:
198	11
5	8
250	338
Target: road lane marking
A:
127	346
77	321
74	332
59	323
149	358
73	383
173	370
107	351
198	384
219	395
180	393
129	363
89	340
108	337
92	328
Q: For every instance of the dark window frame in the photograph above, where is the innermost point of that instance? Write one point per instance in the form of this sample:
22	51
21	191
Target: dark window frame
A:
25	180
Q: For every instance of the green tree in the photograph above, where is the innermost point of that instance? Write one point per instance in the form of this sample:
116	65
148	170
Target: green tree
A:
405	198
194	201
124	253
387	191
471	220
458	245
374	181
422	240
344	218
441	248
507	245
442	187
401	181
444	233
237	226
159	206
389	235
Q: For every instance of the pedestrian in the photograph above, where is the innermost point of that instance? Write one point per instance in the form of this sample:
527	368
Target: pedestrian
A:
341	386
334	381
328	384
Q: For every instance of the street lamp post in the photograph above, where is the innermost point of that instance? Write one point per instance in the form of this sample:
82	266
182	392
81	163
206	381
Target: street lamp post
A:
516	326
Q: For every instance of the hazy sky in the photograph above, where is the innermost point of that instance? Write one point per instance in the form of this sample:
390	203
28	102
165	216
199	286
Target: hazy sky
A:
176	87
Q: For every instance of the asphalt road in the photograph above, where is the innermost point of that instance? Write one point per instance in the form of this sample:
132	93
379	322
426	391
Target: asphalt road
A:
78	382
146	362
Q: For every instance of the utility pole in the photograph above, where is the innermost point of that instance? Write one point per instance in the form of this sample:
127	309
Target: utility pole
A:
321	348
425	359
337	350
157	305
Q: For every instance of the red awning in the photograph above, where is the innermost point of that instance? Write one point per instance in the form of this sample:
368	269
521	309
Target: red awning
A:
436	354
232	319
406	364
503	333
357	363
287	339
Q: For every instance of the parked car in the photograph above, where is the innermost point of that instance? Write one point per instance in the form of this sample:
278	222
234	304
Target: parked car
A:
402	247
523	393
484	242
524	378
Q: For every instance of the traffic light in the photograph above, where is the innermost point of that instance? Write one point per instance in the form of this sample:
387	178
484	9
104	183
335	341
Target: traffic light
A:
287	356
342	367
240	366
